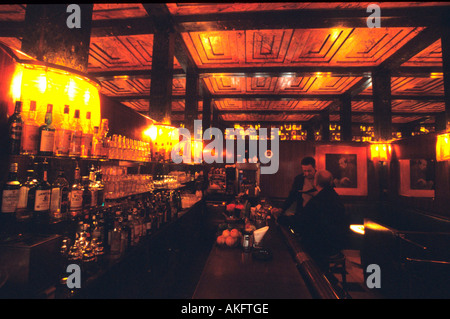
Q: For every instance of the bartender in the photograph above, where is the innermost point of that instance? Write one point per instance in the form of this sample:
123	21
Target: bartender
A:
301	192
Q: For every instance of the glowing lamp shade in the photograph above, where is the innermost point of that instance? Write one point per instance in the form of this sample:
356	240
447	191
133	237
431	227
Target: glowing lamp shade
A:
443	147
380	151
48	83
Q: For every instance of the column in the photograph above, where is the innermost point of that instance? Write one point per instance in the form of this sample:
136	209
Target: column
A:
50	36
345	112
382	113
162	75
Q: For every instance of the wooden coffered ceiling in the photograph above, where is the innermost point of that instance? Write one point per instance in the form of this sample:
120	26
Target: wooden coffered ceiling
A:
270	62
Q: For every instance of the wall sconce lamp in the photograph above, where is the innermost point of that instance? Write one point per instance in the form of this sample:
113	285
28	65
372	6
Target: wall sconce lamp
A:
443	147
380	152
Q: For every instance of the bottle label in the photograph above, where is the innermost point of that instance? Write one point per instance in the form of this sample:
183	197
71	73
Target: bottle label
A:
42	201
16	131
76	199
47	141
30	138
94	198
76	143
62	141
23	197
55	202
9	200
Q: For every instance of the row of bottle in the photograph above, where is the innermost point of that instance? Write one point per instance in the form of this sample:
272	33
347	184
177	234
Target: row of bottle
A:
71	138
38	200
116	229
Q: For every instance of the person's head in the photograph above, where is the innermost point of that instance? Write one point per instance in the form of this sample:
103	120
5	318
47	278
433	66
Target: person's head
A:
309	167
322	179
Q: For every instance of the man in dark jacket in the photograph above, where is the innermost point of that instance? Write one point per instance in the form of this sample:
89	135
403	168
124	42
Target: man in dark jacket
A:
301	192
323	224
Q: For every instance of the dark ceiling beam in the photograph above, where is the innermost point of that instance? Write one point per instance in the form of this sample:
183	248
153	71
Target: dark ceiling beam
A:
278	97
130	74
122	27
317	18
420	42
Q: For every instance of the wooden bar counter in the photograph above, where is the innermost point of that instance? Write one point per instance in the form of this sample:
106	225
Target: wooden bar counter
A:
231	273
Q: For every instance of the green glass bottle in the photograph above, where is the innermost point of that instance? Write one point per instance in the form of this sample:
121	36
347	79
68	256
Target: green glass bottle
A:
10	195
47	134
15	124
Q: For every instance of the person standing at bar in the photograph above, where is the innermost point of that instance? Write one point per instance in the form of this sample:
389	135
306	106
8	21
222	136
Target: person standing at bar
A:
323	223
301	192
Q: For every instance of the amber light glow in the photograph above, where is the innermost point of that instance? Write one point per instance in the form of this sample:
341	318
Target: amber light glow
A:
443	147
359	229
380	151
48	85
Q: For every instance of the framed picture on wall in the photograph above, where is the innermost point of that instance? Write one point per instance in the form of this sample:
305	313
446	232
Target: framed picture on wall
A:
417	177
348	164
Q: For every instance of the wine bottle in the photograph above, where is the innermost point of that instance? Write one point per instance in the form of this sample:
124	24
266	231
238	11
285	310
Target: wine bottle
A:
10	194
59	205
47	134
30	132
15	124
63	135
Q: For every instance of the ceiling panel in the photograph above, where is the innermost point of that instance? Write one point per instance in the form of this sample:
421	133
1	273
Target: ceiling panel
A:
124	86
300	47
414	86
103	11
282	85
431	56
260	105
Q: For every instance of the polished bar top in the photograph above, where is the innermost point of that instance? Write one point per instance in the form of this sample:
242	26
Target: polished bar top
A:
231	273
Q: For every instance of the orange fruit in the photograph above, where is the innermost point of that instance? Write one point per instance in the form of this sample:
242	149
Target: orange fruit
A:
220	240
230	241
234	233
226	233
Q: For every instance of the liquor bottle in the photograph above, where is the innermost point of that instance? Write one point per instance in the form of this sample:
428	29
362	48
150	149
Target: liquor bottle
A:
30	132
63	135
97	143
43	195
115	238
75	146
104	129
87	196
47	134
15	124
93	187
88	134
27	195
59	204
100	188
10	194
76	195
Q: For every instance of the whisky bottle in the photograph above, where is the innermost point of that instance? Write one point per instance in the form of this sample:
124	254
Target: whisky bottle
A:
63	135
10	195
27	194
15	124
43	195
87	195
93	187
59	204
76	196
100	188
30	132
75	146
88	134
47	134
